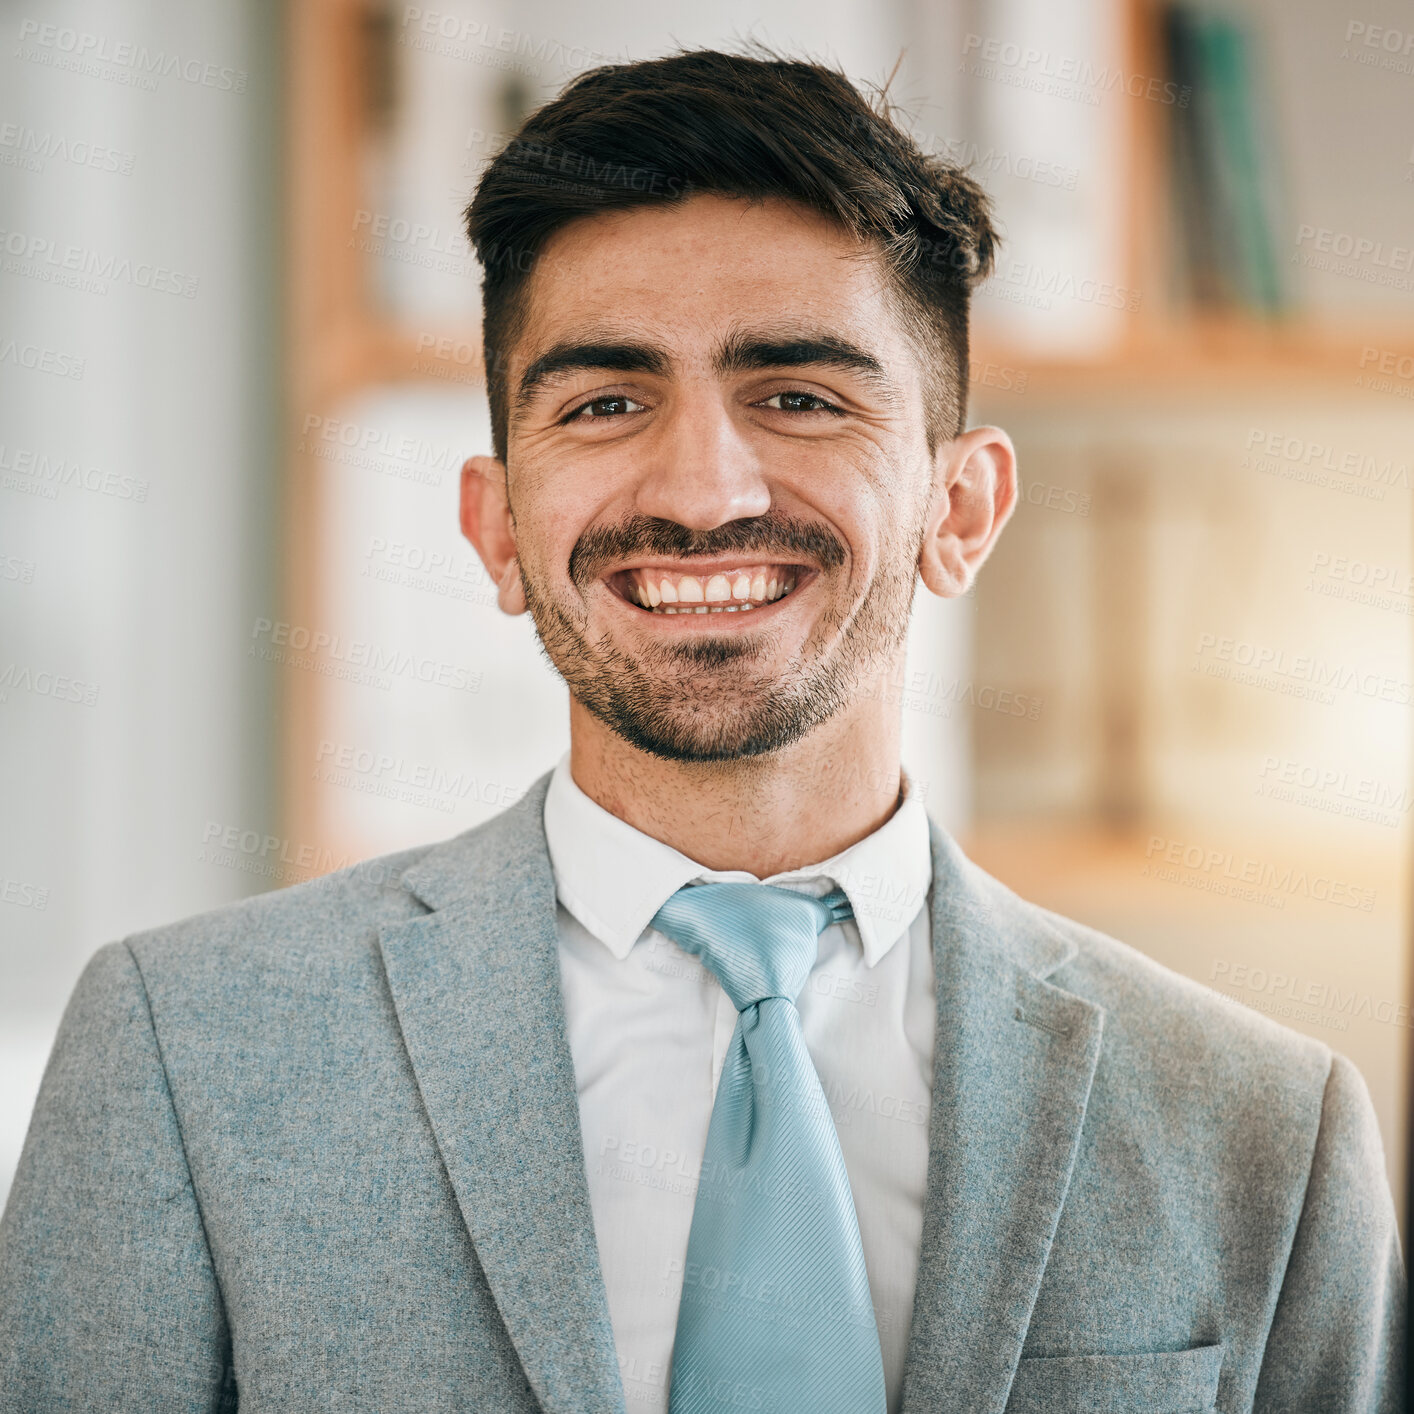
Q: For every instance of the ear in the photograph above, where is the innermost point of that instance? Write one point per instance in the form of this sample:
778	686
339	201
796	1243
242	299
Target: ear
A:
974	481
486	522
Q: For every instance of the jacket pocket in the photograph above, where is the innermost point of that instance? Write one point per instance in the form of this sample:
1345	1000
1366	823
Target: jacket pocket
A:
1164	1382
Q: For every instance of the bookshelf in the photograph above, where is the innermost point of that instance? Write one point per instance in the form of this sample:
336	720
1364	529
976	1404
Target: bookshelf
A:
1171	348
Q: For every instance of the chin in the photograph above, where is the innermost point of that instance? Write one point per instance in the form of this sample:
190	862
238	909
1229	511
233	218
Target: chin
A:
712	726
688	742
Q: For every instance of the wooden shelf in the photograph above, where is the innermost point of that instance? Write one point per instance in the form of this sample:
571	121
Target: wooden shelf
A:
1199	355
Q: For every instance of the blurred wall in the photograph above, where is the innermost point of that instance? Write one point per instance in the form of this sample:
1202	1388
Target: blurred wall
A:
139	380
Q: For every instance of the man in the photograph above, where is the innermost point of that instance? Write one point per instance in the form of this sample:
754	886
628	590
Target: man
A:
710	1075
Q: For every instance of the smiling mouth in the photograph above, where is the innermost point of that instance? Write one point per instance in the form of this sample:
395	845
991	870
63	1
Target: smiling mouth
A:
738	590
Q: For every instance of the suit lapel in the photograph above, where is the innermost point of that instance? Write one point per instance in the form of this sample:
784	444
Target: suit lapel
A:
476	986
1013	1061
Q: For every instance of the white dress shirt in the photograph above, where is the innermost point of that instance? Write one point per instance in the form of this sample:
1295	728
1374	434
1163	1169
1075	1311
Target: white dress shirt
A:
649	1028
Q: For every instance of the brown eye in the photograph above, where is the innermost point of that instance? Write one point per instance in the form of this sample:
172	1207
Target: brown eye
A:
799	402
615	406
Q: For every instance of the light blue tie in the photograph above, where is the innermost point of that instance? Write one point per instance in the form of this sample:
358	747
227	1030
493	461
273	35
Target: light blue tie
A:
775	1307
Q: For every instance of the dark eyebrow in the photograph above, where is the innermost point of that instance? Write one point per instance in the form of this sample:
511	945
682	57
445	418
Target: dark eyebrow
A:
743	353
580	357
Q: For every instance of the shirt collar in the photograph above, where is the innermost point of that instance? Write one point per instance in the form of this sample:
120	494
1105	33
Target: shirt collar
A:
614	878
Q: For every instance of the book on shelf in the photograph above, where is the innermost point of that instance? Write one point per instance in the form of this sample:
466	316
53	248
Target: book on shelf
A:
1223	168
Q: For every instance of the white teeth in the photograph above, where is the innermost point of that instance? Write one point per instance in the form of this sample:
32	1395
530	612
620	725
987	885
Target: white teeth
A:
729	592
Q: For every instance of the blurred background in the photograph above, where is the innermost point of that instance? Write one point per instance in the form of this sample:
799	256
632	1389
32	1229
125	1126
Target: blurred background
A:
243	643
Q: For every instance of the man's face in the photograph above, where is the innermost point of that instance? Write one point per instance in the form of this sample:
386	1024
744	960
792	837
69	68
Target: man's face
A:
718	471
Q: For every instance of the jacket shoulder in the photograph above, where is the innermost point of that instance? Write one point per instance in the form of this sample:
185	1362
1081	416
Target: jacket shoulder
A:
336	916
367	893
1165	1022
1166	1029
330	924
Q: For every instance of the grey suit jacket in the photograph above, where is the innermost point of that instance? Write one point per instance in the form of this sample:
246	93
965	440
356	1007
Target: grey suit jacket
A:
320	1150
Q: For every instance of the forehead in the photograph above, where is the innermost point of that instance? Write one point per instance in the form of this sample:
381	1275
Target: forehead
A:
688	270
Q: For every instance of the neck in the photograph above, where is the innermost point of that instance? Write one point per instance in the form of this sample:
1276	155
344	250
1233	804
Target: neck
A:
765	814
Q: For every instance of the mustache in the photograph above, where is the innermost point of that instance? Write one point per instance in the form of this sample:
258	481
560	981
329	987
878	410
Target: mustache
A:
768	537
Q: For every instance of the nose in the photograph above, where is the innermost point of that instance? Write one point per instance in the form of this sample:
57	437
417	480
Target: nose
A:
704	471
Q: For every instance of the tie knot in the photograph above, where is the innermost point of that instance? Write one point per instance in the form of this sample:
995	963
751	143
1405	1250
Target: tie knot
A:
758	940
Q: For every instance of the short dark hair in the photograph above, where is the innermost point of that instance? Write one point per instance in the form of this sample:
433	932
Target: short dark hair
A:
752	126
